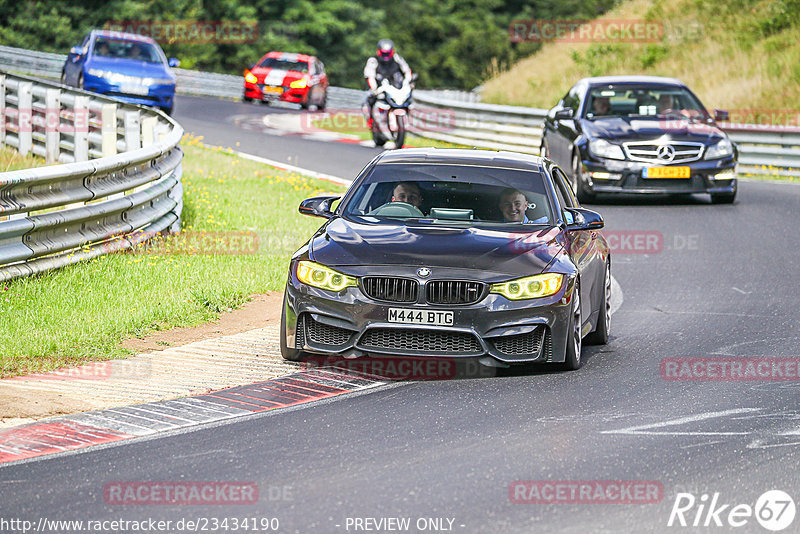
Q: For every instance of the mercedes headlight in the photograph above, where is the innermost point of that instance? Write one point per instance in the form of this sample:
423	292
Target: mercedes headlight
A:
316	275
97	73
603	149
720	150
530	287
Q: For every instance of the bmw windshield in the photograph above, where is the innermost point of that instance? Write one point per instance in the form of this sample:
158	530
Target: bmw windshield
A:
450	194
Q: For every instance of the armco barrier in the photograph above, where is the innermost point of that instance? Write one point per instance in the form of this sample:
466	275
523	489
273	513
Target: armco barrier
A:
118	182
763	150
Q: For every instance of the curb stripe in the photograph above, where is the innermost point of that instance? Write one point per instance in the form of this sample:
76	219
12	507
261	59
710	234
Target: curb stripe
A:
61	434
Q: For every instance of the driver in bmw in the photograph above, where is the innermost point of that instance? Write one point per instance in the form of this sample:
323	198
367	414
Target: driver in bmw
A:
407	192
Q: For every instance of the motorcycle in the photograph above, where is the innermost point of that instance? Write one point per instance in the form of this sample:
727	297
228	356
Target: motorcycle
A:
390	112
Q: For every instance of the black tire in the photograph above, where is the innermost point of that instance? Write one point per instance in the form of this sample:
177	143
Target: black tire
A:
168	111
400	136
324	103
600	334
723	198
265	102
290	354
578	186
572	357
247	99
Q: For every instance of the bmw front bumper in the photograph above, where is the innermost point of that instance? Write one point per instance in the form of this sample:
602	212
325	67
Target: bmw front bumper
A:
351	324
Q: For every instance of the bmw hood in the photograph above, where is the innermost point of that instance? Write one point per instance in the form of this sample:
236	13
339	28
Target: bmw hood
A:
623	129
343	242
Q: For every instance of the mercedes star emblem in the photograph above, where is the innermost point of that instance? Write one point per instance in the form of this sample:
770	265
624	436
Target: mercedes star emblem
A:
666	152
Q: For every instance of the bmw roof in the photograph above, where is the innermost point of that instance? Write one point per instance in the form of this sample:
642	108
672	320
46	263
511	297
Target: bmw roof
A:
463	156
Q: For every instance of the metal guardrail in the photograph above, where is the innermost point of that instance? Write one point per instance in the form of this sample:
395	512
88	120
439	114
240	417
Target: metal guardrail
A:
118	184
463	119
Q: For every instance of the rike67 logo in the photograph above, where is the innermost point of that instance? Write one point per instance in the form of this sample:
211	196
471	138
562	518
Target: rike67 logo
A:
774	510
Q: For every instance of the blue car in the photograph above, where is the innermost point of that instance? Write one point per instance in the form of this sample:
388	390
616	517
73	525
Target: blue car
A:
126	66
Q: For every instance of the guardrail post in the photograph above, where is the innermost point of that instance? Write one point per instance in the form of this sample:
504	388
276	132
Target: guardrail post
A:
133	134
108	129
81	122
52	117
25	117
149	130
2	109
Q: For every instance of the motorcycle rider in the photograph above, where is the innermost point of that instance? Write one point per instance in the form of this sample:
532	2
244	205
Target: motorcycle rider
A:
386	64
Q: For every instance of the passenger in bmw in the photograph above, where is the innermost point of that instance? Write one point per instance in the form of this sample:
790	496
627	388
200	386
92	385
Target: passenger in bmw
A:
514	205
407	192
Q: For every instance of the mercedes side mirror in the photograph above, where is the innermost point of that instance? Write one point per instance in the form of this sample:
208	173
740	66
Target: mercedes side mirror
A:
583	219
563	114
318	206
172	62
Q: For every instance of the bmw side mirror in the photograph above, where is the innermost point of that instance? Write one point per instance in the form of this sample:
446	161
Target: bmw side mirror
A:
583	219
76	50
318	206
721	115
172	62
563	114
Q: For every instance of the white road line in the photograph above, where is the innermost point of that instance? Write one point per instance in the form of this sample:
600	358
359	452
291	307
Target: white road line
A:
644	430
292	168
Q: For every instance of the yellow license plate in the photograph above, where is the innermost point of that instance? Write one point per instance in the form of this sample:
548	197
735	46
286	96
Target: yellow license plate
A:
272	90
667	172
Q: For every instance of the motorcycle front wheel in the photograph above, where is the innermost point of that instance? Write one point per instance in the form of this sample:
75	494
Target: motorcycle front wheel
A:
400	134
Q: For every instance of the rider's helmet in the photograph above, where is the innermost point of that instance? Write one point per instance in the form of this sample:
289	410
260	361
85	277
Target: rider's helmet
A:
385	50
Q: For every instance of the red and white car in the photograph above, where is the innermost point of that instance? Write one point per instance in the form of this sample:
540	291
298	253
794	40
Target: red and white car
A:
296	78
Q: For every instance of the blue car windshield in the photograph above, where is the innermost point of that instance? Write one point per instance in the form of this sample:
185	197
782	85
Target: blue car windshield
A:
122	49
450	194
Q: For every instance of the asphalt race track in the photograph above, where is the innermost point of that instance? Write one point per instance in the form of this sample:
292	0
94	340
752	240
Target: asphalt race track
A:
710	281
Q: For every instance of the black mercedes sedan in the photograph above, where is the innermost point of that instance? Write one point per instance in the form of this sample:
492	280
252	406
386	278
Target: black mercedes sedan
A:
451	253
640	134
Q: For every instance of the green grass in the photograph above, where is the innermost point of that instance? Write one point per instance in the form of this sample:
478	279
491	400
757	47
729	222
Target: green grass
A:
10	160
81	313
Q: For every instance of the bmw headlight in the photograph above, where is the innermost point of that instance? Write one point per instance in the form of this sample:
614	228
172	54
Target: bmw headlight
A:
299	84
316	275
720	150
603	149
530	287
